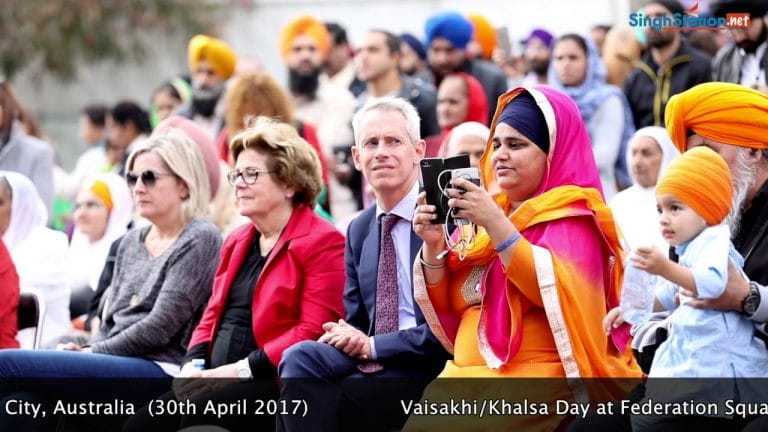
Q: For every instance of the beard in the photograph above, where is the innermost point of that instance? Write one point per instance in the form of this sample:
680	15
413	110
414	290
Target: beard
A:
540	66
744	172
749	45
204	99
304	84
660	40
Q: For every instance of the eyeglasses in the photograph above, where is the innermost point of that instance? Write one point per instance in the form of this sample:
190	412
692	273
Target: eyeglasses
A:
148	178
249	175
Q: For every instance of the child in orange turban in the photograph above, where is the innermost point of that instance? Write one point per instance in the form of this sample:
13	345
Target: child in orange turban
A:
694	197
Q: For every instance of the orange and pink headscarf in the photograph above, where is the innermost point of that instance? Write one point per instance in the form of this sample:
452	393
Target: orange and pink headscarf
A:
567	216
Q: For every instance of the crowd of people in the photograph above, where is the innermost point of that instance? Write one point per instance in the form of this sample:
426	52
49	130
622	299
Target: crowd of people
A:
235	238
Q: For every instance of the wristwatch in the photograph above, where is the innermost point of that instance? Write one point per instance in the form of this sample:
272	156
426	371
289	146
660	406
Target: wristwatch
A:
243	370
752	301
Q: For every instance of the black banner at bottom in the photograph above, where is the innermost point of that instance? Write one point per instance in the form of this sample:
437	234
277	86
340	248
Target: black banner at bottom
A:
379	404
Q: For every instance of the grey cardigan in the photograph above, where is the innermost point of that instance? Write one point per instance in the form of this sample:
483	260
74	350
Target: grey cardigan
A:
153	304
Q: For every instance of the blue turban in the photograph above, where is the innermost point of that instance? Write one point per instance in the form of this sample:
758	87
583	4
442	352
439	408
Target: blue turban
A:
453	26
524	115
415	44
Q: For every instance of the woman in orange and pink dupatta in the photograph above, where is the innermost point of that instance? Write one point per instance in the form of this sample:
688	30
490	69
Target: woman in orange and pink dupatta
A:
528	297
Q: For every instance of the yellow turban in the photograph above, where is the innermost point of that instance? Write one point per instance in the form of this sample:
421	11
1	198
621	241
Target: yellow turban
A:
305	25
484	34
101	190
221	57
723	112
701	179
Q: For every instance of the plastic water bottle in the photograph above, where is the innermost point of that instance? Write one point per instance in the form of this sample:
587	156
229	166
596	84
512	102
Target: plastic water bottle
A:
637	294
198	364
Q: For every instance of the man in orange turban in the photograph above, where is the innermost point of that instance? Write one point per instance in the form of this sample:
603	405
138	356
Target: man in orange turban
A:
211	64
304	46
483	37
733	120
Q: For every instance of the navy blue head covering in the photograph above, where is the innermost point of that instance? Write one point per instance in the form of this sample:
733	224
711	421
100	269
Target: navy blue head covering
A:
415	44
523	114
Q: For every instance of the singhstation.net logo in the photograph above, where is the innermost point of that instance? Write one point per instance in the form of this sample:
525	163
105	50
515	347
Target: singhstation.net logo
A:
690	20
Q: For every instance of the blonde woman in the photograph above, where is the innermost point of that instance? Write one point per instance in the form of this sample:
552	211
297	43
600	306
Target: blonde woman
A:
163	276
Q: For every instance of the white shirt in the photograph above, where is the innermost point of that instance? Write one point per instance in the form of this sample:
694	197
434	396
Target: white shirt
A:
751	73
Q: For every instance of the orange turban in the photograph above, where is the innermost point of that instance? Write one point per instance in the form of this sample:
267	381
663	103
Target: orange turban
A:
221	57
723	112
101	190
484	34
305	25
701	179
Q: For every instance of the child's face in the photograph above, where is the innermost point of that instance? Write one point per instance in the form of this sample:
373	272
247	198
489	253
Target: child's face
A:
679	223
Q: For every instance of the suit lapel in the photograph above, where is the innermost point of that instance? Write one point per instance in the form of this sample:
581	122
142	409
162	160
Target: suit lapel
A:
369	267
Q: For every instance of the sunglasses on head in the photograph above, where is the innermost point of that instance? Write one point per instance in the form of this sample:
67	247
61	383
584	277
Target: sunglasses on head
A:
148	177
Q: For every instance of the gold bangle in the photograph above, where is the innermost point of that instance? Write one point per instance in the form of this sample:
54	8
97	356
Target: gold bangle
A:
430	266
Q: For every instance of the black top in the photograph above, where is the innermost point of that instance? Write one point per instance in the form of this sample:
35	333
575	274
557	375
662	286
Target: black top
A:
234	338
649	87
752	238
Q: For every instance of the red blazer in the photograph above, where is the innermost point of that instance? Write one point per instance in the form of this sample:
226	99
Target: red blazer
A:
300	287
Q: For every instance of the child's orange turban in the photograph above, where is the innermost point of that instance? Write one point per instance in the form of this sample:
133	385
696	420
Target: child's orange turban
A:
701	179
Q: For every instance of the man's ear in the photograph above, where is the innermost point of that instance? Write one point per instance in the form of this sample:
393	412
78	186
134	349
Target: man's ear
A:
421	149
356	157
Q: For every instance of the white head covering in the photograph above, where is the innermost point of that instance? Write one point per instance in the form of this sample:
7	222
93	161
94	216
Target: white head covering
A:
27	210
668	149
86	258
634	208
470	128
39	255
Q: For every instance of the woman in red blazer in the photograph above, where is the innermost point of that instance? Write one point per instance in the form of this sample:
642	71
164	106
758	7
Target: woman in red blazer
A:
280	278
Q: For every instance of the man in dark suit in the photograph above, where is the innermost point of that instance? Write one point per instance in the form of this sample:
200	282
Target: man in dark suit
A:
385	334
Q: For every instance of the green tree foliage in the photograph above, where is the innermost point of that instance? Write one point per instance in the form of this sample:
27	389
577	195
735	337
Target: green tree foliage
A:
58	36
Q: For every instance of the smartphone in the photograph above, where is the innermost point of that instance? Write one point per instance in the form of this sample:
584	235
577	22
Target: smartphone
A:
503	42
471	174
435	175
